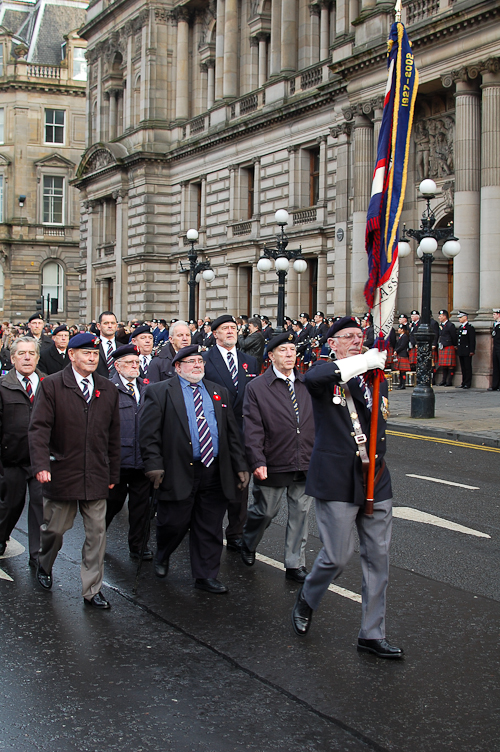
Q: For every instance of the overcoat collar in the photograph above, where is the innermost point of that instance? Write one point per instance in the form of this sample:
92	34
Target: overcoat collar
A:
10	380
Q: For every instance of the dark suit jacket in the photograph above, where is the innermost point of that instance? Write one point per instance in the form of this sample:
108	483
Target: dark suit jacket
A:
102	368
130	415
217	371
165	439
466	342
335	472
51	361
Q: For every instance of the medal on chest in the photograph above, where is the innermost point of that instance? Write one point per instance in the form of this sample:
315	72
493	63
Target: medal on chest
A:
338	396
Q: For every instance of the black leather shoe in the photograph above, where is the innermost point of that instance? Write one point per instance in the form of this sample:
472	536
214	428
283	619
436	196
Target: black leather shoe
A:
43	578
301	615
247	556
297	575
32	562
461	386
147	555
3	546
161	570
465	386
98	601
210	585
234	545
380	648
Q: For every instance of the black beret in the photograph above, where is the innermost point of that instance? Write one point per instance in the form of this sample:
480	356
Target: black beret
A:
297	323
415	313
403	316
35	316
443	312
162	321
320	313
185	352
192	321
304	315
346	322
280	339
61	328
84	340
144	329
120	352
224	319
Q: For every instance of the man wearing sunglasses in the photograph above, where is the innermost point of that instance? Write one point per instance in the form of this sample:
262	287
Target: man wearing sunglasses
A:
342	404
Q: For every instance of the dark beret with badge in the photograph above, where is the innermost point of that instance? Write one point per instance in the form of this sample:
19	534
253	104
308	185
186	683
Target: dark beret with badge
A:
60	328
280	339
35	317
224	319
346	322
84	341
121	352
143	329
443	312
185	352
415	313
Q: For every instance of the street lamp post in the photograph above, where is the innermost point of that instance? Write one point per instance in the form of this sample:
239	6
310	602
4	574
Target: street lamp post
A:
282	257
423	397
195	268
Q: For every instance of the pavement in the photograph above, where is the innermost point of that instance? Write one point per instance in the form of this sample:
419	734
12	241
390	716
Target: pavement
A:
468	415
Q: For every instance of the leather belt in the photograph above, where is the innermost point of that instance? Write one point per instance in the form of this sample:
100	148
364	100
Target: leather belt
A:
361	439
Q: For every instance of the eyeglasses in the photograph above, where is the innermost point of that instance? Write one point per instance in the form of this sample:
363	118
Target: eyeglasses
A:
194	362
349	337
130	363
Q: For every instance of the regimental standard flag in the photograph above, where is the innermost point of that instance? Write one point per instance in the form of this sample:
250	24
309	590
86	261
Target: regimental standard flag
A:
389	181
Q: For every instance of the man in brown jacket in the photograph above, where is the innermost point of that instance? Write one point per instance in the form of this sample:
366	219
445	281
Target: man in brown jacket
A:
278	427
74	440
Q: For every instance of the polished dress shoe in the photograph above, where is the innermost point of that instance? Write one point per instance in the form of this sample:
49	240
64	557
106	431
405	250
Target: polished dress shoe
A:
161	569
465	386
443	383
98	601
43	578
297	575
32	562
210	585
234	544
247	556
147	555
3	546
301	615
380	648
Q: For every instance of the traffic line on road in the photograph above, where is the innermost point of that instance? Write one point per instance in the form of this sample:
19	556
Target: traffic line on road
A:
445	482
415	515
14	548
450	442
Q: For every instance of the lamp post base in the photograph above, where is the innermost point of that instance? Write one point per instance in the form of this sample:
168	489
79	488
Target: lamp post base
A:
423	401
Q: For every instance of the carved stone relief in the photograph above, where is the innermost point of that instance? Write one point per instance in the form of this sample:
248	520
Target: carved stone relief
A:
99	159
434	138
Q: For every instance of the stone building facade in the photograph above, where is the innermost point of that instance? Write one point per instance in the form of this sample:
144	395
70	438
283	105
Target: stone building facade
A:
213	114
42	137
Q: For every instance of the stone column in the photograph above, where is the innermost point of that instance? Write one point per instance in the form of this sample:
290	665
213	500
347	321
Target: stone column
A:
378	109
203	212
112	114
489	286
182	87
210	83
202	298
292	293
183	297
467	156
292	177
325	30
129	102
184	191
90	206
120	245
275	62
262	59
353	12
288	36
233	171
256	186
314	14
255	290
230	86
363	171
144	106
322	169
251	77
342	133
99	134
342	17
232	291
322	280
219	49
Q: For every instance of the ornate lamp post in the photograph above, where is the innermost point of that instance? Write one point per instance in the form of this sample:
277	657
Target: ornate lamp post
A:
195	268
423	398
282	257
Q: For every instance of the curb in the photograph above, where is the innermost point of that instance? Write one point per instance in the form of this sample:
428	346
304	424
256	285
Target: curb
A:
445	433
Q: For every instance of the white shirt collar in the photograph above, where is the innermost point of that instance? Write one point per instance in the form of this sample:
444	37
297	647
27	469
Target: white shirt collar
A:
105	340
134	384
223	351
33	378
79	378
280	375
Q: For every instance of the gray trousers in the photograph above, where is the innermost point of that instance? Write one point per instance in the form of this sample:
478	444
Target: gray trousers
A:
263	509
15	482
336	529
58	517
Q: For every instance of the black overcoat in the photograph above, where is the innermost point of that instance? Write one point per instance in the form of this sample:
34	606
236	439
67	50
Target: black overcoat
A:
51	361
217	371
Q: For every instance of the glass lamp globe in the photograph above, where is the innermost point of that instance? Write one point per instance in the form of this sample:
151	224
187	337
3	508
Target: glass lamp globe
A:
282	217
427	187
264	264
282	264
209	275
428	245
404	249
420	252
197	279
451	248
300	265
192	235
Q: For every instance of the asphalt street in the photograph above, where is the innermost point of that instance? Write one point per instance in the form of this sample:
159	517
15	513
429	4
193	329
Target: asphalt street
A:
173	668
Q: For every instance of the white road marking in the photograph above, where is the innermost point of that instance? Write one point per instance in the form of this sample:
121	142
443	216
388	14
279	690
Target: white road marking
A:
14	548
5	576
414	515
445	482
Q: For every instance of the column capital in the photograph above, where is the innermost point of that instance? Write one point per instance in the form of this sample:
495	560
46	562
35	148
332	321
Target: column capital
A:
356	110
232	167
256	160
119	195
377	103
342	129
322	139
254	42
292	149
161	15
314	9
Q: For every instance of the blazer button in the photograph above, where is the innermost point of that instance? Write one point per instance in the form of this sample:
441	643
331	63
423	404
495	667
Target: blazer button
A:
190	463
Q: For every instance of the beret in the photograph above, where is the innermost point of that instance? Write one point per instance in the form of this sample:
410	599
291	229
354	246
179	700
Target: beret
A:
280	339
346	322
224	319
185	352
297	323
403	316
35	316
61	328
415	313
144	329
320	313
120	352
84	340
443	312
192	321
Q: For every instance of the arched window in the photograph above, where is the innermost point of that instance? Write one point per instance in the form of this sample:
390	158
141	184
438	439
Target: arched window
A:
52	284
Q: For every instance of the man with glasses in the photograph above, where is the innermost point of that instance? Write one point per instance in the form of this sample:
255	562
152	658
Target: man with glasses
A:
191	447
342	400
161	367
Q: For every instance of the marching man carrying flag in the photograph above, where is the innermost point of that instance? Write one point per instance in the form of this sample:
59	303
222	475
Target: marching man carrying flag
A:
348	476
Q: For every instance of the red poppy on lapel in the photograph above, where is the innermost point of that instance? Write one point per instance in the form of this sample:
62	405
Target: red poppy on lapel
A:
145	381
216	397
244	365
97	393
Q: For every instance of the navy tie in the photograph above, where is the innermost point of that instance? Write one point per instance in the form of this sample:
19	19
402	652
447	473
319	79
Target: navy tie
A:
85	389
232	369
206	446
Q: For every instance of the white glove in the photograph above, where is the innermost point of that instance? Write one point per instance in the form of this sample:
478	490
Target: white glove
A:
358	364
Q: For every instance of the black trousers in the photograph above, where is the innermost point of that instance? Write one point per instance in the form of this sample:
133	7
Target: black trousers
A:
495	383
137	486
202	513
237	514
466	366
15	482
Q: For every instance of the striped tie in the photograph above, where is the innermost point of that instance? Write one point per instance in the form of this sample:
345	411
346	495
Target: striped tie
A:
131	389
206	446
144	364
85	389
294	398
29	388
109	356
232	369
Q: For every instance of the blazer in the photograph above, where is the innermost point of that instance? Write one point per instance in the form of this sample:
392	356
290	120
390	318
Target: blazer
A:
466	342
165	440
217	371
51	361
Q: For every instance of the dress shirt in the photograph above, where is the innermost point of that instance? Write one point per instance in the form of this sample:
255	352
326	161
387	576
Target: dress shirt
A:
223	351
280	375
79	380
32	377
134	384
209	412
145	359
